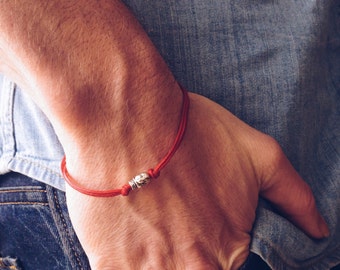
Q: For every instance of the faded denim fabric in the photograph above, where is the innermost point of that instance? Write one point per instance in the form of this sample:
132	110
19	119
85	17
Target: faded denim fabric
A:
274	64
28	143
35	229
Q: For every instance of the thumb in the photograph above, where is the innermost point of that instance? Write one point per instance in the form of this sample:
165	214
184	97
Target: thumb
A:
293	197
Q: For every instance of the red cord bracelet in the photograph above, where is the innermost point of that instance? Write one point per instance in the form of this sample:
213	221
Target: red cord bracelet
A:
143	178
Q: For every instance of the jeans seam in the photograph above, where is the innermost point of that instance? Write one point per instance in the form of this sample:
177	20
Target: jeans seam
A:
24	203
56	200
21	190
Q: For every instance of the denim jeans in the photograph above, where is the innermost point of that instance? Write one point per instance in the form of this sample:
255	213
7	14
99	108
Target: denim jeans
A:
274	64
35	229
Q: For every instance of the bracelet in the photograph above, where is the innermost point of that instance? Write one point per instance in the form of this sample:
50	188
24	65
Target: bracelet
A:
141	179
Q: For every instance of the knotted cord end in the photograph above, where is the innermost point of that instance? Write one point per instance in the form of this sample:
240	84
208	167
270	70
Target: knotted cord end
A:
153	173
125	190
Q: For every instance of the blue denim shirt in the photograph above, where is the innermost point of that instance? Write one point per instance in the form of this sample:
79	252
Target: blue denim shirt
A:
28	143
274	64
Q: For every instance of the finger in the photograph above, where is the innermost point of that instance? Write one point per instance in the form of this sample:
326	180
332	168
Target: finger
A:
293	198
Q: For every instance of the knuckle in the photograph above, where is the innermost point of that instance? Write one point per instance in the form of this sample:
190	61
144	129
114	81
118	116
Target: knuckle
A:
268	156
274	152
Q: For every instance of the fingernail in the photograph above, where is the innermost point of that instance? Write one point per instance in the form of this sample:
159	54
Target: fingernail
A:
323	228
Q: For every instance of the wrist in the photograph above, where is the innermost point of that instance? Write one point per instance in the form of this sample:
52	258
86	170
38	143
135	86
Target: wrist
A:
144	177
118	149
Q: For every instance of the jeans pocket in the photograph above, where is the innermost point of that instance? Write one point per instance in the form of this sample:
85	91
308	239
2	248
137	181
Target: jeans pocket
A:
29	235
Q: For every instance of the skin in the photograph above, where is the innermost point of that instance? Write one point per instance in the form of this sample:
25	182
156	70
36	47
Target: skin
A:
115	107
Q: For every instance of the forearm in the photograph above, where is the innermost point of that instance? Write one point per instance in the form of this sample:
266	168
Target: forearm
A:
93	71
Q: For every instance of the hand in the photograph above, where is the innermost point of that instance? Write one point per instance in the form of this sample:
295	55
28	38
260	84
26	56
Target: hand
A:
199	213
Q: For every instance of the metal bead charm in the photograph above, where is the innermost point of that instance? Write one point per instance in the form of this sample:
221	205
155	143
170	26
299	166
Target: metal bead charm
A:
139	180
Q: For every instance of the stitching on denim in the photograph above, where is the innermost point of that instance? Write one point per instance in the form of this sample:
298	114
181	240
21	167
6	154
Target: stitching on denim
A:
9	147
24	203
66	229
21	190
38	164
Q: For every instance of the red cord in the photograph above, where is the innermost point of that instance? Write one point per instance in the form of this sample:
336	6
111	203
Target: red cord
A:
153	173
